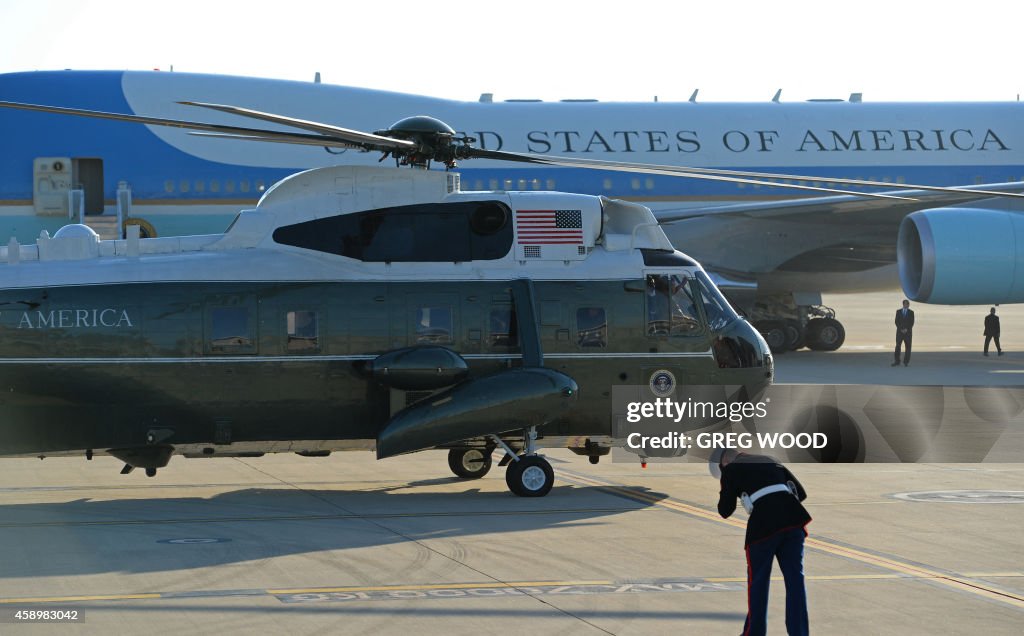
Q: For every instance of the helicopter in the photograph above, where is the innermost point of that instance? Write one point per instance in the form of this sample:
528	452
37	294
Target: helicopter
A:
363	308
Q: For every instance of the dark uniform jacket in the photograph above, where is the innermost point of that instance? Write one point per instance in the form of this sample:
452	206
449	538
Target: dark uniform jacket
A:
773	512
991	326
906	322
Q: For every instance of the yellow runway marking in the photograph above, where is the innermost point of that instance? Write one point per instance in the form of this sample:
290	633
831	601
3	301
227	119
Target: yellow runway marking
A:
915	571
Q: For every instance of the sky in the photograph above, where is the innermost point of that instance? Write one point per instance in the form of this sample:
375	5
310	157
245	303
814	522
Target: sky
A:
739	50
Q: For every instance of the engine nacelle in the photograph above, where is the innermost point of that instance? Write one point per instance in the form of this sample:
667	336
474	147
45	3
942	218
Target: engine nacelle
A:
962	256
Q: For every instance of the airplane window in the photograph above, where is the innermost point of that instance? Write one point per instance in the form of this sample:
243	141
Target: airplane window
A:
535	184
183	186
434	325
592	327
508	184
503	331
302	331
260	187
671	309
229	329
634	183
522	184
169	186
606	184
229	186
214	185
243	185
492	184
200	185
550	183
717	309
649	184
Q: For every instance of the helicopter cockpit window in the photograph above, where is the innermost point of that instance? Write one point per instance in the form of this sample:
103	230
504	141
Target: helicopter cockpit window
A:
434	325
302	331
229	330
592	327
717	309
503	331
671	309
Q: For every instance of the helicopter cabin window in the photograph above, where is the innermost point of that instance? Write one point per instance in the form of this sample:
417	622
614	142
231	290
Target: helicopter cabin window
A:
434	325
424	233
302	328
591	327
503	332
230	330
671	309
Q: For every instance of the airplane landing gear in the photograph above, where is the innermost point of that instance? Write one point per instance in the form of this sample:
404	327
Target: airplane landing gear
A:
825	334
788	326
469	463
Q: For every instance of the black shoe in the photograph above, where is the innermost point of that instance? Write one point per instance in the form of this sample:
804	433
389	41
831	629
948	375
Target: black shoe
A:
896	364
986	355
1000	353
906	364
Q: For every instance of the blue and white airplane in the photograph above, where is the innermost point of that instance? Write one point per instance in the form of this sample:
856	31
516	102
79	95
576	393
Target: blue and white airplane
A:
773	251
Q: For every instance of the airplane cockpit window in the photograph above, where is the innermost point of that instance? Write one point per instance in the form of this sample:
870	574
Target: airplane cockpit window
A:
717	309
302	331
229	329
503	331
592	327
434	325
671	309
425	233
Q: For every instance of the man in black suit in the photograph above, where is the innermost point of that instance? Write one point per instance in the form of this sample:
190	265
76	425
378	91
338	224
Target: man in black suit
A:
775	531
992	330
904	332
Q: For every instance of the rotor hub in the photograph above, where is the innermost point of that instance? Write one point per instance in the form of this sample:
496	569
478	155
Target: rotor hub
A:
434	139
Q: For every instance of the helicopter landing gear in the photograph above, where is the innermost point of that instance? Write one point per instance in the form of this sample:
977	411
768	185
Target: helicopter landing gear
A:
469	463
529	474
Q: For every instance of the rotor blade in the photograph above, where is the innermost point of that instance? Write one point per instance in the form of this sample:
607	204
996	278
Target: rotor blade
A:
597	164
670	171
284	139
355	137
275	135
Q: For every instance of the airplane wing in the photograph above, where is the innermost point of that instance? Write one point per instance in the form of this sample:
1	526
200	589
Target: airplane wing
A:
842	209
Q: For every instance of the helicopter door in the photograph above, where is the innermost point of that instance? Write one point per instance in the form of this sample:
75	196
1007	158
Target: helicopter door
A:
87	174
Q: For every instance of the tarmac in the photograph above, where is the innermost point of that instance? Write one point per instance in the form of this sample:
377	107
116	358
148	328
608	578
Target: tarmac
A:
349	545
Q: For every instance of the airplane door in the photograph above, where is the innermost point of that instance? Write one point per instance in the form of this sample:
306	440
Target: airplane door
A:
51	182
88	175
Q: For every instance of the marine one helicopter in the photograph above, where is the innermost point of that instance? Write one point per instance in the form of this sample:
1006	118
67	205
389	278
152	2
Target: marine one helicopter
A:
361	308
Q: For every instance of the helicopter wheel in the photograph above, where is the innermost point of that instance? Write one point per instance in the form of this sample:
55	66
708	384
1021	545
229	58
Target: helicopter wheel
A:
469	463
530	476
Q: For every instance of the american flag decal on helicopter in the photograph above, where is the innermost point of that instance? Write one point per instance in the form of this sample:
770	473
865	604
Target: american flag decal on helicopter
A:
549	227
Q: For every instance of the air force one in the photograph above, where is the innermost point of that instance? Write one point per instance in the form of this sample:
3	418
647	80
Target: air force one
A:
772	251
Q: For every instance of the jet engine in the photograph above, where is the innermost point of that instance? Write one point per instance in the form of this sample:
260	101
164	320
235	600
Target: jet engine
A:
962	256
